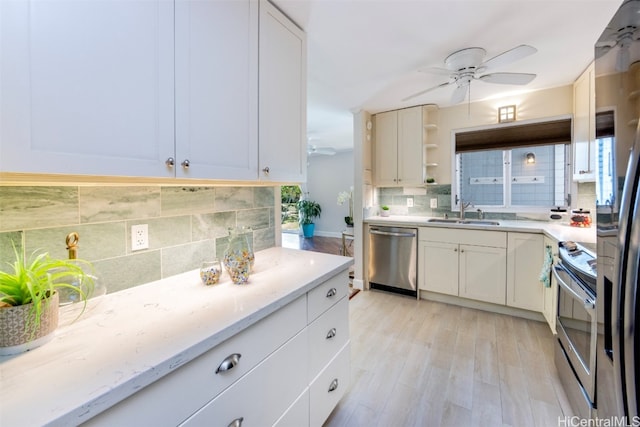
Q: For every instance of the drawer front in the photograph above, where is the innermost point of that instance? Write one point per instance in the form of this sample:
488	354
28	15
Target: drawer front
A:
329	387
321	298
264	394
496	239
298	414
327	335
193	385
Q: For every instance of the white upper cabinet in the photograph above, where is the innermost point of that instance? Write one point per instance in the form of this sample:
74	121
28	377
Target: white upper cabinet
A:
282	98
216	89
399	148
584	127
87	87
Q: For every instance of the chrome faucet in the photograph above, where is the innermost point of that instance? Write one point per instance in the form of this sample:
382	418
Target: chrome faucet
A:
464	206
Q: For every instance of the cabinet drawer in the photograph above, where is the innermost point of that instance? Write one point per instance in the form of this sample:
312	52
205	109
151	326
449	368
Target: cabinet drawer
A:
191	386
327	335
264	394
298	414
327	294
329	387
496	239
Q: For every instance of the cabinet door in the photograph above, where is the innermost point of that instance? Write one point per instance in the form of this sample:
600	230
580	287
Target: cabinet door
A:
550	298
87	87
483	273
216	88
410	146
584	131
524	261
438	267
386	148
282	98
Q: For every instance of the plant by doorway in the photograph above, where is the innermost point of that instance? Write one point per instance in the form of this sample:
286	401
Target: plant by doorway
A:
307	211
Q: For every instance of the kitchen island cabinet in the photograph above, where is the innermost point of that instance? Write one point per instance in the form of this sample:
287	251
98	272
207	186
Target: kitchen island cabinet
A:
149	355
550	298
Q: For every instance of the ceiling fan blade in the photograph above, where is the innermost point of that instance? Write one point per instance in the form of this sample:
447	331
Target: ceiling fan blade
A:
422	92
313	150
602	50
459	94
510	56
508	78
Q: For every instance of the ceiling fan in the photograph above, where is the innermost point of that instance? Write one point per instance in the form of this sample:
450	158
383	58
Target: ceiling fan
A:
624	31
314	150
466	65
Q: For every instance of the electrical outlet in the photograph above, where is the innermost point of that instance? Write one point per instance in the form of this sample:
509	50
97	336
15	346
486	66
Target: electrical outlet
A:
409	202
139	237
434	203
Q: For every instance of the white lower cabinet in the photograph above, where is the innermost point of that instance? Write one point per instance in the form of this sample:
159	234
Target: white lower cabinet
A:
524	262
550	297
438	267
482	273
328	387
272	373
264	394
465	263
297	414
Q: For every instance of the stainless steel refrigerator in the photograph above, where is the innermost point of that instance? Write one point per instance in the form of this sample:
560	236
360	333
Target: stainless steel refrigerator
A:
617	143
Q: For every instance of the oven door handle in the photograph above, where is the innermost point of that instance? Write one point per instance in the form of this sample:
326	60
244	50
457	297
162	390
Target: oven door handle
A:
589	303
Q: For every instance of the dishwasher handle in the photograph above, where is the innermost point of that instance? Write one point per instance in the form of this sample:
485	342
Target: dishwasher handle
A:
387	233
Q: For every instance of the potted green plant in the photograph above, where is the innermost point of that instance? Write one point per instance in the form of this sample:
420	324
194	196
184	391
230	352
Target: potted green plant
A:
384	210
307	211
29	297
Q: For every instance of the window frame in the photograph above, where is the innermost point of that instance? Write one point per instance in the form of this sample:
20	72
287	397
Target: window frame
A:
507	207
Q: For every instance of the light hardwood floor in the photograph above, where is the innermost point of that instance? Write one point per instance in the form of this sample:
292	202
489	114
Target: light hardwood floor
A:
423	363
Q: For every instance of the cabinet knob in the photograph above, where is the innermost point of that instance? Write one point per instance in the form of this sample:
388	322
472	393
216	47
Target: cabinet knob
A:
170	162
265	170
331	292
229	362
334	385
331	333
461	250
455	250
237	422
185	164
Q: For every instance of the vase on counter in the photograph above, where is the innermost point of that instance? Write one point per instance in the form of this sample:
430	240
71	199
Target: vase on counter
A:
238	256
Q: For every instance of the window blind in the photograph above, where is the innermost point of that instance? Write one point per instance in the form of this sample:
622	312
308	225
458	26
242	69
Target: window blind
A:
604	124
507	137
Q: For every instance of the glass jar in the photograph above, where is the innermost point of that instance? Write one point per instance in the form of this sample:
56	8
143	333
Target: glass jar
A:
580	218
238	256
210	272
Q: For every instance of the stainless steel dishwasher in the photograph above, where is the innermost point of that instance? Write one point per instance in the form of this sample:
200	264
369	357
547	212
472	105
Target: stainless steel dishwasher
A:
393	257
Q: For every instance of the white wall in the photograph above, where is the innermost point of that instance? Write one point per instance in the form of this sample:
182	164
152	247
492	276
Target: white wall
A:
326	177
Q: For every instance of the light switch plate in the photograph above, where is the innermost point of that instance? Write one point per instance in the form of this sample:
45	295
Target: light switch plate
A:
433	203
409	202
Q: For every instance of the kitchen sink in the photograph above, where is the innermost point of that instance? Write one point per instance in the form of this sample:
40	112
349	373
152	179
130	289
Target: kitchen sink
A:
444	220
463	221
479	222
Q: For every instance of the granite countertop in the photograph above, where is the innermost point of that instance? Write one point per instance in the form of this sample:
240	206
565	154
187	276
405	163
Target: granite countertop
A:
555	230
128	339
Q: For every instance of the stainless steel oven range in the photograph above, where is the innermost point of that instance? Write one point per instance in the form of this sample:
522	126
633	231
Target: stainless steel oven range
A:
575	349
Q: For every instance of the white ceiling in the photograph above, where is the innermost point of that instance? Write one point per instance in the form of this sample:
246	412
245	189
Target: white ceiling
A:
365	54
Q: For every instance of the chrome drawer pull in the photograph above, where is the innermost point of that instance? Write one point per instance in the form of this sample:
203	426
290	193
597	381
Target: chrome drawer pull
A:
331	292
331	334
229	362
333	386
237	422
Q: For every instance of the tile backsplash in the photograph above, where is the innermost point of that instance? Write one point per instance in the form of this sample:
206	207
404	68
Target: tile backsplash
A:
187	225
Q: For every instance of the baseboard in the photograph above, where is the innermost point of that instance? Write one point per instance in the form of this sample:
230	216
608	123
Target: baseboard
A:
358	284
480	305
327	234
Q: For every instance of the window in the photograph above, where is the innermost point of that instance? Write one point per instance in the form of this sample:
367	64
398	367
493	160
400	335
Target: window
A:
504	178
519	167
